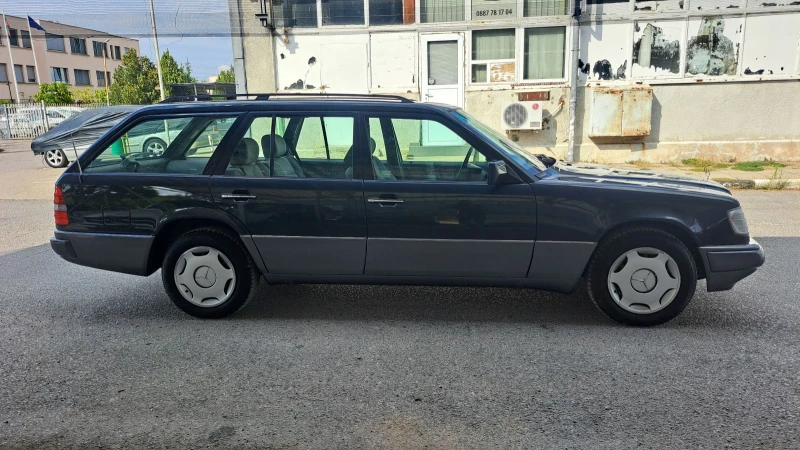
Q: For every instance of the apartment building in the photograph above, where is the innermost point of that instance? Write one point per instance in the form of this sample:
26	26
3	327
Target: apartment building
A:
64	53
654	80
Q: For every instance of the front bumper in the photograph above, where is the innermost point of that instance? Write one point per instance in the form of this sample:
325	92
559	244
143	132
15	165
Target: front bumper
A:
728	264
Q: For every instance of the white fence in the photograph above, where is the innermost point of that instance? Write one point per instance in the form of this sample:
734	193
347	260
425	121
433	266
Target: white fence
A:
30	120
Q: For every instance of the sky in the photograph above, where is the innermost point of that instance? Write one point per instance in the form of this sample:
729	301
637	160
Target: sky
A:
197	31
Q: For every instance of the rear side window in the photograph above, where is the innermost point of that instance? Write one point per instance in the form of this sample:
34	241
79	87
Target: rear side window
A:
164	145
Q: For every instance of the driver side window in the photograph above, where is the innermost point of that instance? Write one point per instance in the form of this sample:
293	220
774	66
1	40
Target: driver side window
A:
422	150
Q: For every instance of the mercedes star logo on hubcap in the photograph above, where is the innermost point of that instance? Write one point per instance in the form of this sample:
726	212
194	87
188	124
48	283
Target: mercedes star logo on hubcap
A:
643	280
205	277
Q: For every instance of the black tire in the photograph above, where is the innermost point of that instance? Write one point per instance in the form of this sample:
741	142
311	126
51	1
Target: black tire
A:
159	142
611	248
56	158
246	273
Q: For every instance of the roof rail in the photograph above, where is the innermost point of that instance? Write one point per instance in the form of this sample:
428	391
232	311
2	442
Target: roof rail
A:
294	95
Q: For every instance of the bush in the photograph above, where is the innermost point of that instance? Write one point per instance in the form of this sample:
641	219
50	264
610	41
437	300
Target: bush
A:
54	94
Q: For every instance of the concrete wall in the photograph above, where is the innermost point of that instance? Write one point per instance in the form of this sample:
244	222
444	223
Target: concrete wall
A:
257	63
717	121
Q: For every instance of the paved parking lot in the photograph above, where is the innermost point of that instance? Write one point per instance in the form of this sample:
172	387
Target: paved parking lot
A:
96	359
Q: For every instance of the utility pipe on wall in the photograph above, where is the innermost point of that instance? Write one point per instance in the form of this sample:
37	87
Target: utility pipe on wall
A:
573	86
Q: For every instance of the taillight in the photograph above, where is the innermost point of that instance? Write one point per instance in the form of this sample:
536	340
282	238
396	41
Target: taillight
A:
60	207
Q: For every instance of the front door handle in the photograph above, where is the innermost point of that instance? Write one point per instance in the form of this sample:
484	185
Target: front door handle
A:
385	201
239	196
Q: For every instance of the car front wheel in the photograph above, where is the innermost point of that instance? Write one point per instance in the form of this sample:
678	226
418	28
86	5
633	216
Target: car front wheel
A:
208	274
642	276
55	158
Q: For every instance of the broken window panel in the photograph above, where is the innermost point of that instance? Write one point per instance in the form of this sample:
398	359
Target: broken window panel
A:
604	51
342	12
767	50
599	7
713	45
294	13
718	6
544	53
391	12
656	48
431	11
657	5
545	8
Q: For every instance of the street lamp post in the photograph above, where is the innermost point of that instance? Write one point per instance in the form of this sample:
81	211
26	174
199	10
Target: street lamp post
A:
105	71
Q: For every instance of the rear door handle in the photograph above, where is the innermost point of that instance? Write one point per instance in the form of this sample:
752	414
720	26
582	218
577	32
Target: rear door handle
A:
385	202
239	196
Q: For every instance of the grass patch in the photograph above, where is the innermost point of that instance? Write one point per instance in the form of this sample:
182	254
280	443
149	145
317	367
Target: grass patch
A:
640	163
756	166
702	165
775	183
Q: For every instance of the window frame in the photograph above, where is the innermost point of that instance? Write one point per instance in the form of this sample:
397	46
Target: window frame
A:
63	72
25	36
487	62
20	78
4	72
31	70
49	37
236	135
78	42
88	77
13	37
474	141
565	69
104	143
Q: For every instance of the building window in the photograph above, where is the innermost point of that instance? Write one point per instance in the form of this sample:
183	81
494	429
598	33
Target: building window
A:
102	77
391	12
544	53
77	46
431	11
115	53
342	12
534	8
55	42
98	48
294	13
493	53
126	50
60	75
26	39
13	39
31	74
3	73
82	78
18	74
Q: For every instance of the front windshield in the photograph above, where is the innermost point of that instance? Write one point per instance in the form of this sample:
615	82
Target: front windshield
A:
512	149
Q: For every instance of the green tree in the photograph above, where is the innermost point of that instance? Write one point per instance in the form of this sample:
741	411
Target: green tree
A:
174	73
53	93
226	76
135	81
89	95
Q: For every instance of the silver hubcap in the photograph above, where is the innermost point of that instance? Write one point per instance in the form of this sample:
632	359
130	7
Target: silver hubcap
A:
54	157
644	280
155	147
205	276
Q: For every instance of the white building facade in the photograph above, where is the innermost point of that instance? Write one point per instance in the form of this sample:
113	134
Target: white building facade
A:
720	77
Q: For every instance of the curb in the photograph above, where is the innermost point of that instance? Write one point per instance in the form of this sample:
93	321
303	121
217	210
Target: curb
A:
759	183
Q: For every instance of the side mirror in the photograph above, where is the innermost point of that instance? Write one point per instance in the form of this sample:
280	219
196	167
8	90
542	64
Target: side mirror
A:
499	174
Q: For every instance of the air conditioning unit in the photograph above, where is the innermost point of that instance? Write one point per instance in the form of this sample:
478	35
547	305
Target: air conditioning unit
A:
521	116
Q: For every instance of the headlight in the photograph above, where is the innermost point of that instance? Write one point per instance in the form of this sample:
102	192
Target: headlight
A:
738	222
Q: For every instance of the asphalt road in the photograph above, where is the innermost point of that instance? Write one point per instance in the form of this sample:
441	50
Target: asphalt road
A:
95	359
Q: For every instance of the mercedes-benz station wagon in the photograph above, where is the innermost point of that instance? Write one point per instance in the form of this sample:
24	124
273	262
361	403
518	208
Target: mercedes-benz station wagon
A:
383	190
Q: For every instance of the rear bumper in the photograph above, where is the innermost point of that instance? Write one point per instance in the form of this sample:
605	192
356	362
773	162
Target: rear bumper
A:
123	253
727	265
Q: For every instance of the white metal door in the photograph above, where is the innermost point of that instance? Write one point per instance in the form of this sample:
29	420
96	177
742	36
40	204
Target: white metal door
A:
442	64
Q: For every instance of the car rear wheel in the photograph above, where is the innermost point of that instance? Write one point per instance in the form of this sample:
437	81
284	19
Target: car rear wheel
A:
154	146
55	158
208	274
642	276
